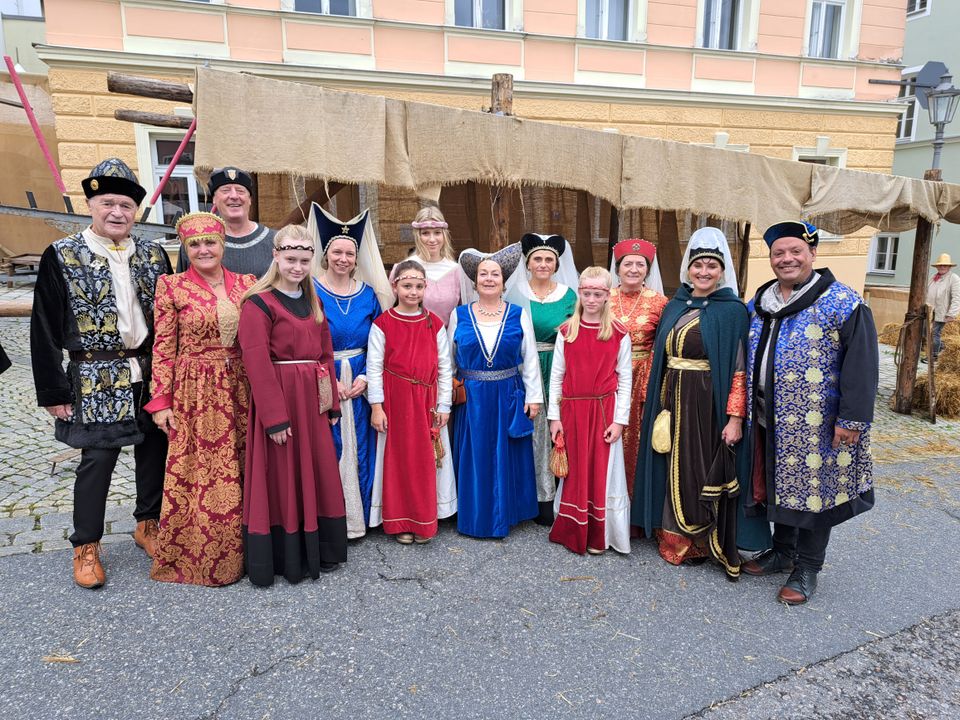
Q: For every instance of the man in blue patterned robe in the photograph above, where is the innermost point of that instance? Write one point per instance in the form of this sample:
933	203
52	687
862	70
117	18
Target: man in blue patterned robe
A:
94	299
812	382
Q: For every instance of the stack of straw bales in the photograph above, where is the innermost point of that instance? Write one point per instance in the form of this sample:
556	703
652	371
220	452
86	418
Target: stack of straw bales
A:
947	376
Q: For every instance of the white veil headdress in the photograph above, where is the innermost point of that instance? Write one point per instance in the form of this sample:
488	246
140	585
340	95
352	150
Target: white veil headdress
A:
652	280
711	238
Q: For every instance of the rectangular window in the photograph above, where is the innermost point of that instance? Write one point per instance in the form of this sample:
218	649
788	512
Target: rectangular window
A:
487	14
607	19
327	7
826	28
21	8
906	124
917	7
883	258
721	24
180	194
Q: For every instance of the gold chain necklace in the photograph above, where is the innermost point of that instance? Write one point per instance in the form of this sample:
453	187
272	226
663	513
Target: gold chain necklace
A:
624	316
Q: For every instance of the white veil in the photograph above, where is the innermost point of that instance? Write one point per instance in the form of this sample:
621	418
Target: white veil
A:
711	237
370	268
517	289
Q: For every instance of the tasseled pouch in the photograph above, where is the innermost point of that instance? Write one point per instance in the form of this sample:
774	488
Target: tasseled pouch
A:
558	457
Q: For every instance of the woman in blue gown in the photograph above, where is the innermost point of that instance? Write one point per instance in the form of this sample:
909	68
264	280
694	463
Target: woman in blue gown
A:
350	307
495	354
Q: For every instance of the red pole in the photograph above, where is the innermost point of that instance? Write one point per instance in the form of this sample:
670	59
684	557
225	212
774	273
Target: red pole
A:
36	132
170	169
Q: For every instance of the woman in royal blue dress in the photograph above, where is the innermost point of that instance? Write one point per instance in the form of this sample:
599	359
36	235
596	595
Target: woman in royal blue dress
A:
351	305
495	355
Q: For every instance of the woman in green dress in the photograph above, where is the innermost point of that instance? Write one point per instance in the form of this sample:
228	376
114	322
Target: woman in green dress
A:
548	289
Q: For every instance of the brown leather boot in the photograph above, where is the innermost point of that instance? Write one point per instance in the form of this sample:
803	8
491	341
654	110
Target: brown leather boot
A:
87	570
146	536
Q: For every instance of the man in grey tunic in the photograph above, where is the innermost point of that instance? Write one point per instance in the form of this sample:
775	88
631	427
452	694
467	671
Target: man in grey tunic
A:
249	246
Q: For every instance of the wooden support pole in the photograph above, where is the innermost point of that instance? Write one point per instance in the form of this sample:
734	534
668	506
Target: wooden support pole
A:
583	247
473	215
931	368
744	260
501	103
614	234
910	333
668	250
152	118
148	87
301	212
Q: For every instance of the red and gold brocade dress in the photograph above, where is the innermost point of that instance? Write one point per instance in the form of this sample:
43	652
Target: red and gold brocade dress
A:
639	312
197	372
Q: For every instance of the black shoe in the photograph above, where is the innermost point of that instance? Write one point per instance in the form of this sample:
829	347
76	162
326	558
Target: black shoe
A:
769	562
799	587
545	514
326	567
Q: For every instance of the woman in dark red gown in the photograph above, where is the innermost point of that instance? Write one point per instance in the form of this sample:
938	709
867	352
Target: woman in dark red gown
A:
294	522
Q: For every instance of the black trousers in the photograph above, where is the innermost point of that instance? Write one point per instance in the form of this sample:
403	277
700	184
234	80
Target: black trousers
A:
807	548
95	472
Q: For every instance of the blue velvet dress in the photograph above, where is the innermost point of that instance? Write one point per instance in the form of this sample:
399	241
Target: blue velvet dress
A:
350	318
496	484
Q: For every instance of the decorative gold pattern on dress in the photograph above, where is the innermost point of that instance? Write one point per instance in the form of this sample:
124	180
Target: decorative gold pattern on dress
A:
228	319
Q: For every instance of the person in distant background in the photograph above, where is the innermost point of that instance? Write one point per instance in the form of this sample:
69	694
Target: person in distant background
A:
943	293
249	247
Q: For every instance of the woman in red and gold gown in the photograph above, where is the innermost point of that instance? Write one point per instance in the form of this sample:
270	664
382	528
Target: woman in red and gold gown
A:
200	399
637	308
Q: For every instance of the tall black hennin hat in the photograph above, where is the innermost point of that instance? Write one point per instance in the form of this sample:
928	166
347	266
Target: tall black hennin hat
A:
113	177
531	242
330	229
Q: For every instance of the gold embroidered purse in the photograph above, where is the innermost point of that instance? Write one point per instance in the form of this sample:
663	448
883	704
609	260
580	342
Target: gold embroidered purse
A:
324	388
660	439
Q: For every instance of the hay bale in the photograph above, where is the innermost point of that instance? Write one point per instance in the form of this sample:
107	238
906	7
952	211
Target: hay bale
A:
948	361
890	333
951	330
948	394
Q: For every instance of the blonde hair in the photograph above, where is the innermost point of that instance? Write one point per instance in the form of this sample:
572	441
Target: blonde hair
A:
572	324
299	235
432	213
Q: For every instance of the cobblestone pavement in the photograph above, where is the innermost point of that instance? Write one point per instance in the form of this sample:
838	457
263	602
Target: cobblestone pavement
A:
36	472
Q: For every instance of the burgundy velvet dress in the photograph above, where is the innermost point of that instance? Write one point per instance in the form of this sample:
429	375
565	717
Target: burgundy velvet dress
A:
294	521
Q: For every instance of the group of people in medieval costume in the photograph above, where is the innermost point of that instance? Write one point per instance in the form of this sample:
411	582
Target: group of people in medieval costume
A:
301	396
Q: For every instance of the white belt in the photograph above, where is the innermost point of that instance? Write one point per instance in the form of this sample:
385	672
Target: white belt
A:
544	347
294	362
347	354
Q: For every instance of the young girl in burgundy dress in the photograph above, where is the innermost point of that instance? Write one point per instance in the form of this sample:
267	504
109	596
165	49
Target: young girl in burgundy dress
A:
409	386
294	522
590	405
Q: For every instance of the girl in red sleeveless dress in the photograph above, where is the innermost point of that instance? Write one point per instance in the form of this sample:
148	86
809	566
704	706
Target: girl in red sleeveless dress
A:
590	405
409	388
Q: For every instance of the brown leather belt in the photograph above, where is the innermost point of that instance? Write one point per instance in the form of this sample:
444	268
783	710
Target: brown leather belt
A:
94	355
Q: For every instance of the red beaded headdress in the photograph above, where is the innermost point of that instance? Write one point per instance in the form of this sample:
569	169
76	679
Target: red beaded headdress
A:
634	246
200	225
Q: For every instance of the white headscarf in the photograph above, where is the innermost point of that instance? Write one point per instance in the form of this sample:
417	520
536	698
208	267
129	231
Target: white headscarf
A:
711	237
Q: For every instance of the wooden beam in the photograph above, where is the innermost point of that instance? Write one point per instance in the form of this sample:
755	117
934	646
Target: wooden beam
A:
910	333
583	248
501	103
148	87
319	196
668	250
614	234
473	216
152	118
744	259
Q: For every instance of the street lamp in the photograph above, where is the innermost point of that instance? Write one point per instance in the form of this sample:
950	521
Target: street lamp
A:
942	102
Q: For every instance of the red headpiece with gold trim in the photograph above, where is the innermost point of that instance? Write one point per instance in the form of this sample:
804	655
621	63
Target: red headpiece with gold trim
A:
634	246
200	225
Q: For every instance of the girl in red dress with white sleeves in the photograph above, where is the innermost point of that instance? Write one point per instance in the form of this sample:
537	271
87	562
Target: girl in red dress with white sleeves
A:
590	405
409	383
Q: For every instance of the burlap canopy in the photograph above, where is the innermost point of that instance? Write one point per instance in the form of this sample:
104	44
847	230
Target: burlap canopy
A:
274	126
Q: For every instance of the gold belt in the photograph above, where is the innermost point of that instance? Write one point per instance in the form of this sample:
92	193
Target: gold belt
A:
640	354
677	363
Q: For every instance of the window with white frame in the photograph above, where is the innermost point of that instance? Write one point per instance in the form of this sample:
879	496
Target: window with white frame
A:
327	7
21	8
487	14
607	19
180	195
906	125
721	24
917	7
883	254
823	154
826	28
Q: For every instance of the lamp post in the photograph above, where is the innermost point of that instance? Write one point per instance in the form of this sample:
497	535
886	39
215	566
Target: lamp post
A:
942	102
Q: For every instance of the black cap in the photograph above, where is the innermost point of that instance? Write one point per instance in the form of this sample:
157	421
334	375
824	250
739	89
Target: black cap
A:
229	176
113	177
